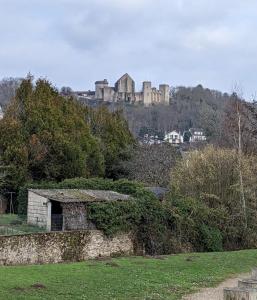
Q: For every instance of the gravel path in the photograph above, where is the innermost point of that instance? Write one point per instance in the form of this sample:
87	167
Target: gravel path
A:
215	293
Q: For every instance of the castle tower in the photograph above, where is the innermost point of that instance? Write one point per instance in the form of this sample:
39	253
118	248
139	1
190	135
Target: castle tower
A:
99	88
125	84
165	93
125	88
147	93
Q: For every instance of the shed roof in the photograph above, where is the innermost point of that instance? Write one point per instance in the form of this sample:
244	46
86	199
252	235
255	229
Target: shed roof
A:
77	196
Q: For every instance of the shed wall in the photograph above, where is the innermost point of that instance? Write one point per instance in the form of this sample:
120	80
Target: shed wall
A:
37	210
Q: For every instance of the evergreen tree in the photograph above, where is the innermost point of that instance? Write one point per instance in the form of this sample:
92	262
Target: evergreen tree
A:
45	136
115	139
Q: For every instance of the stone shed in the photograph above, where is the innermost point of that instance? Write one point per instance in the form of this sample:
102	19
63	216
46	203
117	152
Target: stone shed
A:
65	209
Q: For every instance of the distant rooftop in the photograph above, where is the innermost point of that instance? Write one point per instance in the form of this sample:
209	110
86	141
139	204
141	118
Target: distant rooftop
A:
195	129
75	195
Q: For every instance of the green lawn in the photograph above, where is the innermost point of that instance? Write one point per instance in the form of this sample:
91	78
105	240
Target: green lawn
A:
13	224
124	278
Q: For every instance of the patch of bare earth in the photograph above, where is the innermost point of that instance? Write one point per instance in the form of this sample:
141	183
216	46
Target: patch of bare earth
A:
215	293
33	286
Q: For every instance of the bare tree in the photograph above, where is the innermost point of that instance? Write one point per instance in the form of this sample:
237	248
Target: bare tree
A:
152	164
8	87
242	194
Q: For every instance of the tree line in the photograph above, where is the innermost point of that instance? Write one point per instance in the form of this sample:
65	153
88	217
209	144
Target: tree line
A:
47	137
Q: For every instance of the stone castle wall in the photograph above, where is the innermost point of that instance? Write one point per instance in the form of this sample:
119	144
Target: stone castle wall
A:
57	247
124	90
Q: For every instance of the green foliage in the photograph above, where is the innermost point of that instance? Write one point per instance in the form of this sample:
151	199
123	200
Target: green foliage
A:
197	224
115	138
187	136
212	177
90	183
115	217
44	136
178	224
212	238
144	215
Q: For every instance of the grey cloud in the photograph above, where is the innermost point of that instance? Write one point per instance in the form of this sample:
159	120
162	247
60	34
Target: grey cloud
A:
75	42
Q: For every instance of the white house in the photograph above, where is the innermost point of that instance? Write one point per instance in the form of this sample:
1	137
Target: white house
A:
173	137
197	135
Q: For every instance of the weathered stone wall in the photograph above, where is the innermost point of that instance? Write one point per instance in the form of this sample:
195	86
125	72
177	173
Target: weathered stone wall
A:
125	85
99	87
147	92
57	247
165	93
108	93
156	96
75	217
37	210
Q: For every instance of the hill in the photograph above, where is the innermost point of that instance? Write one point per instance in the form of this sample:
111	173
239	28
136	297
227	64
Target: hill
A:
189	107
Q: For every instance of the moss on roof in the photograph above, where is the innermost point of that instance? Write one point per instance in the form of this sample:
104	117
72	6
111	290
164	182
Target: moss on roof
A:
75	195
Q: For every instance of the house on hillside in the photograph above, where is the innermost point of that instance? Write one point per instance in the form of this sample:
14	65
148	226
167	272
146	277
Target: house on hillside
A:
173	137
151	140
197	135
65	209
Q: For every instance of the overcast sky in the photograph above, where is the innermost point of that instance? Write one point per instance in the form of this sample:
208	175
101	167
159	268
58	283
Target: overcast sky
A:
179	42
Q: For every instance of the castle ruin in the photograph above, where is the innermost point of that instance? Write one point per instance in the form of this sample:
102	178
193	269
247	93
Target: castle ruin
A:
124	91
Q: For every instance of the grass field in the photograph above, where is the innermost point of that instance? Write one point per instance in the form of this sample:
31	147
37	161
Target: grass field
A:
146	278
12	224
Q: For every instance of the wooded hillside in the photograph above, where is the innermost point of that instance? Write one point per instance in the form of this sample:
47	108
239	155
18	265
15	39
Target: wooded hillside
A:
189	107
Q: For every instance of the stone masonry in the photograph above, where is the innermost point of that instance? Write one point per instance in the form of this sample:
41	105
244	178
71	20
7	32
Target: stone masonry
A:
57	247
124	91
246	289
37	210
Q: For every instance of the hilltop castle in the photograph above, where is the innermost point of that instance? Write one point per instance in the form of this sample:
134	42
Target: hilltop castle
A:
124	90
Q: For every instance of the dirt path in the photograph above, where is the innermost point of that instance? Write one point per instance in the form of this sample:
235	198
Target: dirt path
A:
217	292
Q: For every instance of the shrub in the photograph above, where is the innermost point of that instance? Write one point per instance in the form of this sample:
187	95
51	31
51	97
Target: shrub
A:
152	164
178	224
212	238
212	177
196	223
